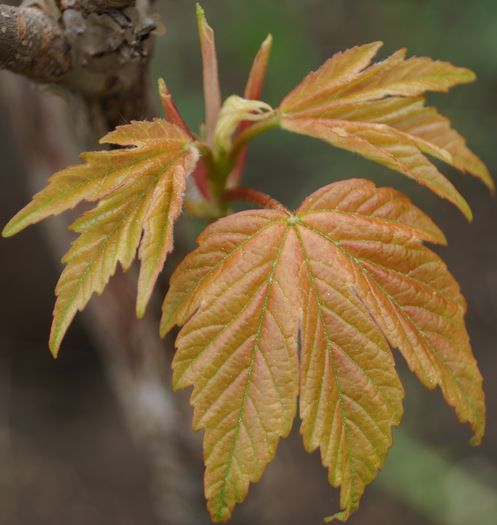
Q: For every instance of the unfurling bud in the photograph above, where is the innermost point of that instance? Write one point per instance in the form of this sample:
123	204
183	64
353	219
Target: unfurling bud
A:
234	111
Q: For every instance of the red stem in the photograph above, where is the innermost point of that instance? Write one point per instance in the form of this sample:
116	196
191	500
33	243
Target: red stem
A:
170	109
254	197
173	115
200	176
252	92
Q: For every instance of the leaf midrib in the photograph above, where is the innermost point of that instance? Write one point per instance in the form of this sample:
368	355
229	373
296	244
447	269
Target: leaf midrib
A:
255	348
329	345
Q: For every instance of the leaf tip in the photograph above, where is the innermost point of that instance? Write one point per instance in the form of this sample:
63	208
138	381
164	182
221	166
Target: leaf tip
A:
54	345
377	44
19	222
141	307
9	230
161	84
463	206
221	515
340	516
268	41
143	297
475	441
467	212
467	75
199	10
478	427
441	238
169	318
165	326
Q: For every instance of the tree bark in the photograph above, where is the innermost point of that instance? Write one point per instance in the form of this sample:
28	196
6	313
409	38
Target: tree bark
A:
32	44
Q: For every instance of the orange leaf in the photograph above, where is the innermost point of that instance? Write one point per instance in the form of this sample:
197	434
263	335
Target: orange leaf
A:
376	111
140	192
240	349
350	269
382	144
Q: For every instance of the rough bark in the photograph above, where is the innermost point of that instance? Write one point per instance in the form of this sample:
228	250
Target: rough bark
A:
99	4
98	49
32	44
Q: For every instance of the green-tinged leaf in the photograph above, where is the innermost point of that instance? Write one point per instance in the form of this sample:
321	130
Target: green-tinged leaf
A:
109	234
350	269
407	78
337	71
430	131
346	78
384	145
240	351
165	206
376	111
409	292
350	394
140	189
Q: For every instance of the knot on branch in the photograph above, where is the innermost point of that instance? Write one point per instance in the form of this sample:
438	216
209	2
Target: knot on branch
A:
96	5
94	47
32	43
107	46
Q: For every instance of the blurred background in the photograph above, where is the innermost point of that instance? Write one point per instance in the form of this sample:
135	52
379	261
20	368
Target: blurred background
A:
66	455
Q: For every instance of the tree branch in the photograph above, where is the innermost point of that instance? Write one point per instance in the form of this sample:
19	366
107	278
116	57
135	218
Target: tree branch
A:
101	5
32	44
98	49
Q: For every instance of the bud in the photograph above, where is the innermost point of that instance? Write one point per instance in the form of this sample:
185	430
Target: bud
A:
234	111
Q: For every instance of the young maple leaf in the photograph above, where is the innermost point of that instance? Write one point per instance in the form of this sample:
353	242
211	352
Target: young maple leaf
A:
348	268
377	111
140	192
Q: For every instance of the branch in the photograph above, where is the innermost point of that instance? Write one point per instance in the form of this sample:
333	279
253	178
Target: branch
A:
101	5
32	44
98	49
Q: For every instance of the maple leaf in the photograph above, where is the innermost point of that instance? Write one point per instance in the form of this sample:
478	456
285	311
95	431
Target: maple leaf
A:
350	270
140	192
377	111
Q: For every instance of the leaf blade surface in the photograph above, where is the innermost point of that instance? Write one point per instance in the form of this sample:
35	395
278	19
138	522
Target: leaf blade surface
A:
139	189
350	269
378	112
239	350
